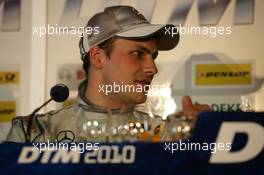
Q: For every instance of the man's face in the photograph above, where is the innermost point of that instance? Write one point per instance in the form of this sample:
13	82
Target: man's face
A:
131	63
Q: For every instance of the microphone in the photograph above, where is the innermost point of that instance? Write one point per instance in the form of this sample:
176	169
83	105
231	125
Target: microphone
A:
58	93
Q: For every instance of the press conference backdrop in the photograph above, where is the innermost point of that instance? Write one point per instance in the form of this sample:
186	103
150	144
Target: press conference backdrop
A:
223	69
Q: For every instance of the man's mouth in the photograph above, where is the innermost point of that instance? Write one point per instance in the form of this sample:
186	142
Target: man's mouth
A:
143	82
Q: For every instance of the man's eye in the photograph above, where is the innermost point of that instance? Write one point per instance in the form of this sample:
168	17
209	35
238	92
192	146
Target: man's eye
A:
155	55
137	53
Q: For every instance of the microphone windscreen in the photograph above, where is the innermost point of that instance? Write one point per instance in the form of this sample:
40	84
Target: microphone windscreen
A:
59	92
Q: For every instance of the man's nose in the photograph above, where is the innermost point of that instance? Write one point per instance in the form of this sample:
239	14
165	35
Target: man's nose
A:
150	67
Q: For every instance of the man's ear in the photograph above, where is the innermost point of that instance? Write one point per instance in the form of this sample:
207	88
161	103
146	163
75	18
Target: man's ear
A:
96	57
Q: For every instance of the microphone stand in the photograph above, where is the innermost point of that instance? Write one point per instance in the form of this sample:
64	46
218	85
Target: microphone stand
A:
28	133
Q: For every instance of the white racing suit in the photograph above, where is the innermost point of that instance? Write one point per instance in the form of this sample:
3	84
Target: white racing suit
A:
83	121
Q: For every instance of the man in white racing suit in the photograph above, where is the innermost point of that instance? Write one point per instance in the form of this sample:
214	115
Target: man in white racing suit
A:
122	53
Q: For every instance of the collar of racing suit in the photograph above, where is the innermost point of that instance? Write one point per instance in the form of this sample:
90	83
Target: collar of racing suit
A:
86	104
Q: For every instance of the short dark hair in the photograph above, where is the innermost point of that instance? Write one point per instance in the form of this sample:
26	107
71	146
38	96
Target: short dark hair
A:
107	46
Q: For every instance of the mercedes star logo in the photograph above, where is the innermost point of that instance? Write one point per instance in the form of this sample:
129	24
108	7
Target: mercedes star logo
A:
65	136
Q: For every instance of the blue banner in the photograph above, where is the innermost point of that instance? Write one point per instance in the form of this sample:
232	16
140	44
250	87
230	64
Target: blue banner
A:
222	143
